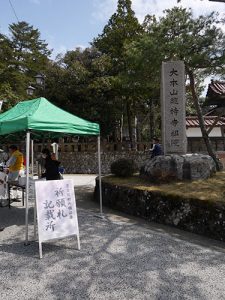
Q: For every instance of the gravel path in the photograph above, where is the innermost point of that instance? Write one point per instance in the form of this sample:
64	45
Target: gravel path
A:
120	258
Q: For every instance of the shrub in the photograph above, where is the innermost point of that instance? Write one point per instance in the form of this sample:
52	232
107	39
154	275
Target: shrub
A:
123	167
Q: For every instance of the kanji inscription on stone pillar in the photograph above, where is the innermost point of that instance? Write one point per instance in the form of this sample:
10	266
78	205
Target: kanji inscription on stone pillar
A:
173	102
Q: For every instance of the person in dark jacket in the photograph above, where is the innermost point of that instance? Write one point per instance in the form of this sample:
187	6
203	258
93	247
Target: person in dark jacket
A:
156	148
51	166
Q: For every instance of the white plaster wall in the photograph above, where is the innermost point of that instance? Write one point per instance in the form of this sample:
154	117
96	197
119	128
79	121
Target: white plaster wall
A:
196	132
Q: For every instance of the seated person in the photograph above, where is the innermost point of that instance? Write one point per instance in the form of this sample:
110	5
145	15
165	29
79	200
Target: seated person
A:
156	148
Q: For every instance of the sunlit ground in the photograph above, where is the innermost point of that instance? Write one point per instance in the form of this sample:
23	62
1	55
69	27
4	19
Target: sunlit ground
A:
212	189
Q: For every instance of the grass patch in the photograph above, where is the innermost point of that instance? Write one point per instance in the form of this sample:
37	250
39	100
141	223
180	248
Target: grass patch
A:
211	189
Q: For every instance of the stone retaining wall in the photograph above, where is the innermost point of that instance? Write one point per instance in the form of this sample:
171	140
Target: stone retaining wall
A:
201	217
87	162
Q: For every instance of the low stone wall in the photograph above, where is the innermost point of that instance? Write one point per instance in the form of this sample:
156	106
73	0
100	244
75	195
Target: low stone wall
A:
87	162
201	217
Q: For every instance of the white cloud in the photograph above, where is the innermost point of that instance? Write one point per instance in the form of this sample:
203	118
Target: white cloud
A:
62	49
82	47
59	50
103	9
198	7
143	7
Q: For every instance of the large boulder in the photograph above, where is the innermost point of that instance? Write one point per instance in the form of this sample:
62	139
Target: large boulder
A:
178	167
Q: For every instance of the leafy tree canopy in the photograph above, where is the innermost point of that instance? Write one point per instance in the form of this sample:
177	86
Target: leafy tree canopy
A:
23	54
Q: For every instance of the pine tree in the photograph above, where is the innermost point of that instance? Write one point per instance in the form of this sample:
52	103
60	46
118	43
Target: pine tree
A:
30	52
23	54
122	28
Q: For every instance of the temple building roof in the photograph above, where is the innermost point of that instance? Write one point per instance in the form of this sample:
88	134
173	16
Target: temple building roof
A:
215	94
209	120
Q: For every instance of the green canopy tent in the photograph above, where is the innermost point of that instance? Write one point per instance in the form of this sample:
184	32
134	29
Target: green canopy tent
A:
38	116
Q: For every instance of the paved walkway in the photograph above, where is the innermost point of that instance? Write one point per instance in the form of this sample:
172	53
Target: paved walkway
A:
120	258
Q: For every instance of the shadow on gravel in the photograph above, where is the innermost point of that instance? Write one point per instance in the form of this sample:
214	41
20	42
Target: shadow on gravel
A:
32	250
84	196
121	262
118	260
14	216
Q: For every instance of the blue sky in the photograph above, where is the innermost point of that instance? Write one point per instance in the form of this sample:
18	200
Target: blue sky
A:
66	24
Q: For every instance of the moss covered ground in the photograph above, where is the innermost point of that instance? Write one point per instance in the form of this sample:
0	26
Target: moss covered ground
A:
212	189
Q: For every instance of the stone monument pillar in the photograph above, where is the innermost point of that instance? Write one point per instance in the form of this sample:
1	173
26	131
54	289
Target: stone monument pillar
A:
176	164
174	140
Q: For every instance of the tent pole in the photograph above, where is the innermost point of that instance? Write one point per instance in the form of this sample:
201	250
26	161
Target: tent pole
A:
32	157
57	151
99	174
27	184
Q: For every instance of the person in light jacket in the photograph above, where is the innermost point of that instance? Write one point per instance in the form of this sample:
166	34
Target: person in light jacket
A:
15	163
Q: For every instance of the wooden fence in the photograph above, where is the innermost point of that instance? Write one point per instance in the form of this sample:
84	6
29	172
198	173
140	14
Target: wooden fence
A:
92	147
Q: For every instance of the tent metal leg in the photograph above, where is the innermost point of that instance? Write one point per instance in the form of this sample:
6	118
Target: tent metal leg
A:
32	158
27	184
99	174
35	220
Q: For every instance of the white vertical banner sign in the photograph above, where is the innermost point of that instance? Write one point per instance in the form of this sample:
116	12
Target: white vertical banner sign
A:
56	210
173	107
1	102
55	147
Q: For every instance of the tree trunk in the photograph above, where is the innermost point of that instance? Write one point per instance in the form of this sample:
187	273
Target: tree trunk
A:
135	132
201	119
151	119
130	125
121	129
